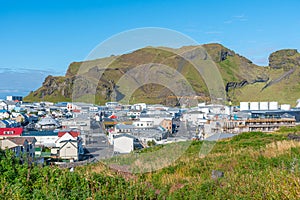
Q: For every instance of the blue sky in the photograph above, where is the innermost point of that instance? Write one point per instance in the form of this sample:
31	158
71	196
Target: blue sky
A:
43	37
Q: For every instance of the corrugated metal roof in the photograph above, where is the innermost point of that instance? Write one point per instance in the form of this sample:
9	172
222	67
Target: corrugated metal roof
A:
40	133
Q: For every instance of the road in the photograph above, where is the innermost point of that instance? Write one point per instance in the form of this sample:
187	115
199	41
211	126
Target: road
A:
184	130
97	146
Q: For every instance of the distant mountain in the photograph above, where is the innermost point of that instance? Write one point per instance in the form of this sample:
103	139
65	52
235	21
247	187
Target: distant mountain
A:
211	70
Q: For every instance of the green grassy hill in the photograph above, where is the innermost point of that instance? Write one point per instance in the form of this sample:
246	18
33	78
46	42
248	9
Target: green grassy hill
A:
211	71
255	166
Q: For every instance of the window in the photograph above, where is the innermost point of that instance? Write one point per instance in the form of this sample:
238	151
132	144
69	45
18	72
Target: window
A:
8	132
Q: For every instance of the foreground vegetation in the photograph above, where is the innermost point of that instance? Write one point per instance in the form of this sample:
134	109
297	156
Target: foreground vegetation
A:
255	165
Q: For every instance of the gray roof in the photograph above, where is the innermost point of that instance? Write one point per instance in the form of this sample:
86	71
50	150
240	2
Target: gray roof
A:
125	126
148	133
48	120
125	135
10	102
21	140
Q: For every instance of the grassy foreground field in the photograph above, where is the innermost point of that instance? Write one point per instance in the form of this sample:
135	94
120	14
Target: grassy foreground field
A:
255	165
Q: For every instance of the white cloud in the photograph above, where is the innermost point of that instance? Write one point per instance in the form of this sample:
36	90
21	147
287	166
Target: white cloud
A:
236	18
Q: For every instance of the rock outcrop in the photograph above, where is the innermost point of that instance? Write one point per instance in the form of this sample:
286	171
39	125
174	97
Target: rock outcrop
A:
284	59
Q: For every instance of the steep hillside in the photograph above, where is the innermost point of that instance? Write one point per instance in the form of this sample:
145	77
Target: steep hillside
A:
157	75
283	84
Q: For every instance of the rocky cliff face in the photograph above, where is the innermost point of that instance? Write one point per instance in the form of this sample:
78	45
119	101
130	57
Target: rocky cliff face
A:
52	84
94	79
218	53
285	59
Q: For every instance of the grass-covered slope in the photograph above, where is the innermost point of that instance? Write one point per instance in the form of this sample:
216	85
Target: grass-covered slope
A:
255	165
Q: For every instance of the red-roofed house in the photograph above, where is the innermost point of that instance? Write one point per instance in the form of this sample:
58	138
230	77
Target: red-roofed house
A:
68	145
73	133
113	116
66	136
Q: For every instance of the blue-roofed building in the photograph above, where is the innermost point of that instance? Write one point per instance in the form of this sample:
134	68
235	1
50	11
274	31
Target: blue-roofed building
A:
61	104
44	138
4	114
9	124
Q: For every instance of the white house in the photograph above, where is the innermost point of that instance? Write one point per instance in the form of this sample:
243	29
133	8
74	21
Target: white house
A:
14	98
194	117
68	149
124	143
93	109
143	124
139	106
134	114
66	136
156	118
8	105
4	114
111	104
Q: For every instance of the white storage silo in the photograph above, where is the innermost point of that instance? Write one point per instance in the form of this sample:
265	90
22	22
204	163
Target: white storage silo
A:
263	105
273	105
298	103
244	106
285	107
254	106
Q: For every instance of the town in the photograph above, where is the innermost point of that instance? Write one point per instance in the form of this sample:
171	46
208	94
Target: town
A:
71	132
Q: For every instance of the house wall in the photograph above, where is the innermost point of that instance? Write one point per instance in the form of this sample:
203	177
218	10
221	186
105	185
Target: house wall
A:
156	120
69	151
123	130
167	124
134	113
192	117
66	136
48	141
143	124
123	145
31	150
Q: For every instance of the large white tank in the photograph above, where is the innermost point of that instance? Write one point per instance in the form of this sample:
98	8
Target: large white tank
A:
254	106
244	106
273	105
285	107
263	105
298	103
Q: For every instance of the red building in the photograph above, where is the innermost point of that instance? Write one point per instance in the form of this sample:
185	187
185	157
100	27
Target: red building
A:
11	132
